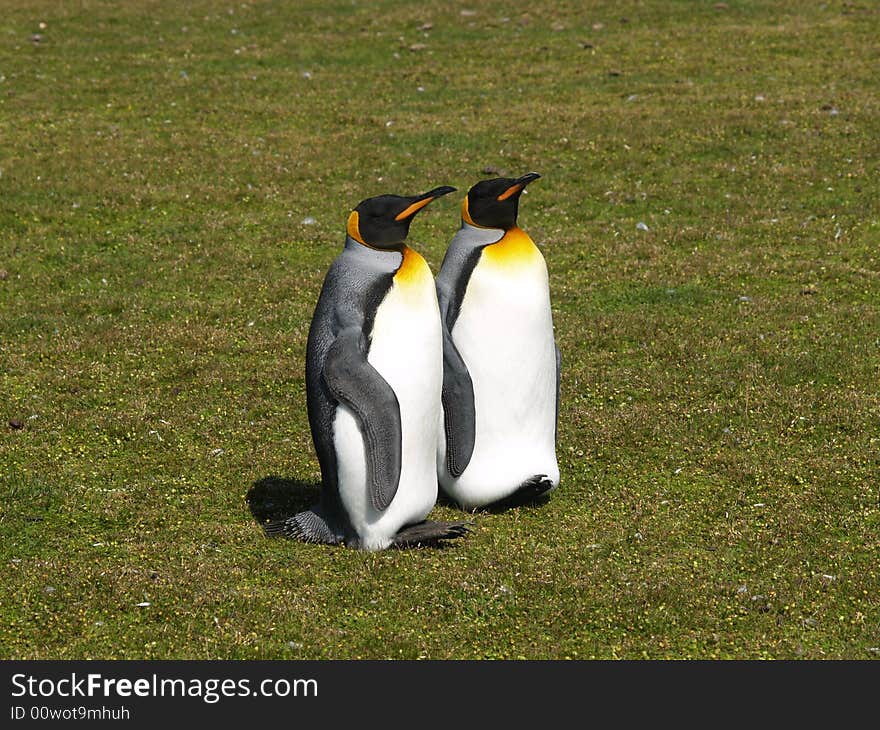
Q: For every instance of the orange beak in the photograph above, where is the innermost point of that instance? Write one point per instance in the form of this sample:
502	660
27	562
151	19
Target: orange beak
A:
519	185
422	200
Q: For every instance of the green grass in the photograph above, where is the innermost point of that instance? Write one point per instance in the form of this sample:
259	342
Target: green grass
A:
720	422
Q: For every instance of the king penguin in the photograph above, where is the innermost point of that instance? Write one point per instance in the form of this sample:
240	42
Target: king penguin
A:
500	398
374	371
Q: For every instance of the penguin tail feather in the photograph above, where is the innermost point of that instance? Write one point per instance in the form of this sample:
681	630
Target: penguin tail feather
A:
305	526
430	534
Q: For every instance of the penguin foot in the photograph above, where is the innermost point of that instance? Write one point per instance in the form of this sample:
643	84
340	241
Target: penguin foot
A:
531	491
430	534
305	526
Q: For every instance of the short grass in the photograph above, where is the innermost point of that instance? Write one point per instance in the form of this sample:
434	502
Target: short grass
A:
720	419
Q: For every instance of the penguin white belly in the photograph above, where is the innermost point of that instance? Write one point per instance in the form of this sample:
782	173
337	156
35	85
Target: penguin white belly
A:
407	350
504	333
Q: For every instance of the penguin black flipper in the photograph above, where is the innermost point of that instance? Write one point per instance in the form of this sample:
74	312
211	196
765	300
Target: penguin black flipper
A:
459	414
357	384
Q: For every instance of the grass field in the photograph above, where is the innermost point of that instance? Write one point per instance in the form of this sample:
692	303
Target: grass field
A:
174	182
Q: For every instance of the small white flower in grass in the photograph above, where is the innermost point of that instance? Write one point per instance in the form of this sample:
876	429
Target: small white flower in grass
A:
309	221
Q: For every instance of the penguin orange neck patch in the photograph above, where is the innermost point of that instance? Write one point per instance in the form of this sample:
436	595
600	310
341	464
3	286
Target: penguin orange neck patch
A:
352	227
465	213
515	248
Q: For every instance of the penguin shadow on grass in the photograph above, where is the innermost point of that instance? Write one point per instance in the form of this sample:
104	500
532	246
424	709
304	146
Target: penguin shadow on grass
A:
274	499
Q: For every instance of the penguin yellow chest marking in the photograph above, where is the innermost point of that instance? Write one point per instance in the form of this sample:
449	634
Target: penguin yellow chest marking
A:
413	277
515	250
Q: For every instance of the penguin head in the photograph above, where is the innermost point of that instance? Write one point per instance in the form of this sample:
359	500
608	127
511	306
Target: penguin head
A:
383	222
495	203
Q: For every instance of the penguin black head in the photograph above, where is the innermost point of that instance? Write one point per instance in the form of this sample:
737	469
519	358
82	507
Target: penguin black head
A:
495	203
383	221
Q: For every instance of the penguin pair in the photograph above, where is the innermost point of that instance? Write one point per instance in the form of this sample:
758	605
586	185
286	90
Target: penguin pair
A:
412	382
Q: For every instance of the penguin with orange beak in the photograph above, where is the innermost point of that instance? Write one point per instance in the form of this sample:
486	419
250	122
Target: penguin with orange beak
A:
501	374
374	371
